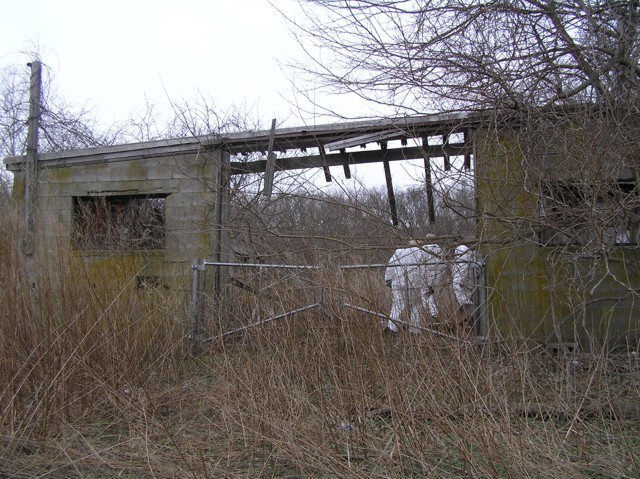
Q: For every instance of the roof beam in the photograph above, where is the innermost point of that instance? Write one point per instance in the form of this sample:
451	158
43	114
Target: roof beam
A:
253	141
359	140
350	158
335	135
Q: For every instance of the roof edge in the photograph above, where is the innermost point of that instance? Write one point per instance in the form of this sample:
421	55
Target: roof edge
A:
241	141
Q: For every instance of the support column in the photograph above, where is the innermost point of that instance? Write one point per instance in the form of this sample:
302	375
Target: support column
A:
390	193
428	181
222	251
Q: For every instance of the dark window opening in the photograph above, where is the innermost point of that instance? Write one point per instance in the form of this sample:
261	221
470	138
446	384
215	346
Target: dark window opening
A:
580	214
119	222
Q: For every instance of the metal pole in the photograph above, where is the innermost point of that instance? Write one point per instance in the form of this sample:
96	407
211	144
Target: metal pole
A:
194	294
198	303
260	266
273	318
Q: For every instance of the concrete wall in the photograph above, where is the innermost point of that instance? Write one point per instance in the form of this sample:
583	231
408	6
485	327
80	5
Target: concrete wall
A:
555	294
189	182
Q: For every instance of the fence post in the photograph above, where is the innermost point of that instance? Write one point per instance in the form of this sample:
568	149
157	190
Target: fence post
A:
198	277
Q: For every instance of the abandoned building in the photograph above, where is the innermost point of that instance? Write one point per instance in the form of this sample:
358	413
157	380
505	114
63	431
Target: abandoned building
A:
150	209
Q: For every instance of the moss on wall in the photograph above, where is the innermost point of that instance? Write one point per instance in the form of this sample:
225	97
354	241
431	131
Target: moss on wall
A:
552	294
18	187
187	181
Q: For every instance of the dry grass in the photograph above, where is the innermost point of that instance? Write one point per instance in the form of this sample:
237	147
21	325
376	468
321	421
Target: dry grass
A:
96	386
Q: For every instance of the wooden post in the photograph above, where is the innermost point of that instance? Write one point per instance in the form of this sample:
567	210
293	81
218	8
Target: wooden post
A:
325	168
345	165
447	160
31	165
390	193
428	182
270	167
467	151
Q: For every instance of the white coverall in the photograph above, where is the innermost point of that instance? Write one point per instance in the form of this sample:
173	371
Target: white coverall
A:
413	272
463	283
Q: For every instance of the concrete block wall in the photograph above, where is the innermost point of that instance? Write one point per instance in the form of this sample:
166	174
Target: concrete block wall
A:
538	291
188	181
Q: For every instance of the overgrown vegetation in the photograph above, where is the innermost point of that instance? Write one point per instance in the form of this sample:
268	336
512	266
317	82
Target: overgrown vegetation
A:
98	384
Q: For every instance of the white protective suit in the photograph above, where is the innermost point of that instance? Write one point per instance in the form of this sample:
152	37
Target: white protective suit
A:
413	272
463	284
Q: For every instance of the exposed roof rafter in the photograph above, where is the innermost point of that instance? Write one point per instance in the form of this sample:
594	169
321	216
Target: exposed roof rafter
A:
335	136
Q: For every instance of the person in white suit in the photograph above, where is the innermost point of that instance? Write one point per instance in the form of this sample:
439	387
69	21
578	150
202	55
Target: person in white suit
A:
463	283
412	274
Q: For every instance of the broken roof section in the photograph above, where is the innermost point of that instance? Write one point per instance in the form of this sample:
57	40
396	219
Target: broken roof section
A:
331	137
318	146
333	140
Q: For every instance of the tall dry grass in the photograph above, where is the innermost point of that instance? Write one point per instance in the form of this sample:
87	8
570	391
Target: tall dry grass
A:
95	384
68	350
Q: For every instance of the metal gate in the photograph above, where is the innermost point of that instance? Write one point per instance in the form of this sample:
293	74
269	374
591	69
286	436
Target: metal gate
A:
313	280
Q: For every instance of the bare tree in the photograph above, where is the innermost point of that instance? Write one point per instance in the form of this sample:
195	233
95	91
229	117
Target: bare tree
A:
63	125
457	55
562	79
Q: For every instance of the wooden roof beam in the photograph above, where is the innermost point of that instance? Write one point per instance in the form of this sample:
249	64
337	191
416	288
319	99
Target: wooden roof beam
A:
350	158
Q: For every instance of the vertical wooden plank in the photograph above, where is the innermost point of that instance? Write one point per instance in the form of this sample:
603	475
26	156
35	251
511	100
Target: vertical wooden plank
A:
447	160
345	165
390	192
325	168
269	170
428	182
467	151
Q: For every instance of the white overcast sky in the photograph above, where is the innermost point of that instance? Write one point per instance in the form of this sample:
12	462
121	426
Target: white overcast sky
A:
116	55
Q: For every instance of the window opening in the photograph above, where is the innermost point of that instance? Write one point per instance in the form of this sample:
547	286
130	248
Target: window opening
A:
580	214
119	222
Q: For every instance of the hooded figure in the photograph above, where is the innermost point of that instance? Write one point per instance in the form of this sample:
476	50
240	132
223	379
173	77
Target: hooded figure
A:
411	273
463	284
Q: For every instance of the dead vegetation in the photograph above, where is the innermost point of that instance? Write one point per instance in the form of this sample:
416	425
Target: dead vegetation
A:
98	384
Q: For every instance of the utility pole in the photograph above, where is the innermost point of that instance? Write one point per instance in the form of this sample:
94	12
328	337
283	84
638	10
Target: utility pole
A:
31	165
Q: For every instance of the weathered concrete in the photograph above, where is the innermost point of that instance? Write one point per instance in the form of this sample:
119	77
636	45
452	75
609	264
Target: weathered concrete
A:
536	291
187	181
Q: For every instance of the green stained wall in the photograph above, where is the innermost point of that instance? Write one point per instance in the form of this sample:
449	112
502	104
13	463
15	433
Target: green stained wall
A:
551	294
189	183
